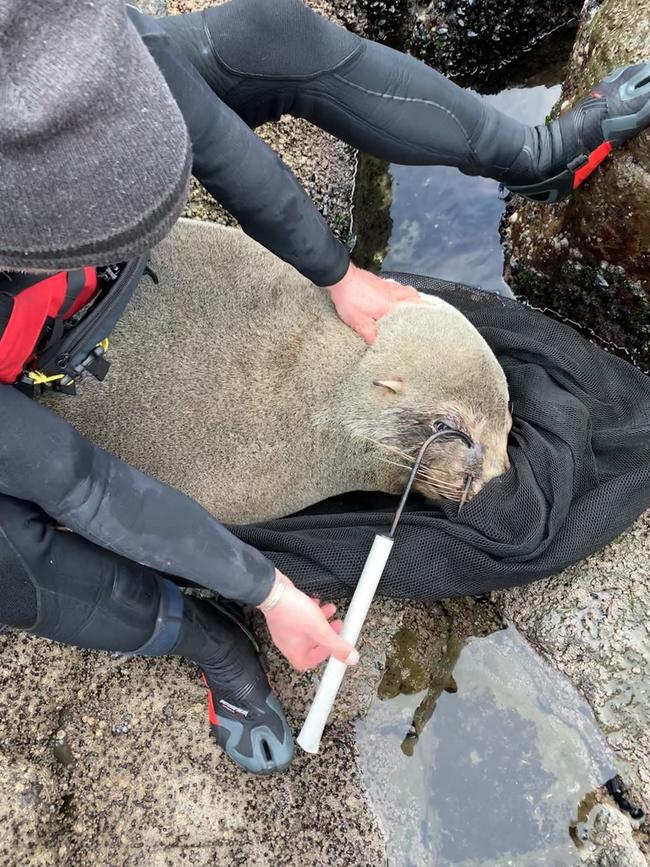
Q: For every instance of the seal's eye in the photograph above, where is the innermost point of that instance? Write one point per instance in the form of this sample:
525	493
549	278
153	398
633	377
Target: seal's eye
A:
439	426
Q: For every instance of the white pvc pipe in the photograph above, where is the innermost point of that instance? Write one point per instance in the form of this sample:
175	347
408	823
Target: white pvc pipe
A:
312	730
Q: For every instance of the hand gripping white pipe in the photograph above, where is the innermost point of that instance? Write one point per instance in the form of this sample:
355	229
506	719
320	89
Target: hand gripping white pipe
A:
312	731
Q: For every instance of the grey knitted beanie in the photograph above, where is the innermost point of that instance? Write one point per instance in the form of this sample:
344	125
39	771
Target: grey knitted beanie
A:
94	154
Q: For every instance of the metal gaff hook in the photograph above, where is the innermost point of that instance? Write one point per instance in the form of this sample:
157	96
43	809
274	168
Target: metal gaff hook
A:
448	432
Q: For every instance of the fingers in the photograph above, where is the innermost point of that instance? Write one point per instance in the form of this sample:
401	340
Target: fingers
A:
336	646
315	657
359	319
301	630
306	658
328	610
330	641
366	328
407	293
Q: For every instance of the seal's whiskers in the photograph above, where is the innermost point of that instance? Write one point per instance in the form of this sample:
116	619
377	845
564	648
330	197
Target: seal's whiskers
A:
469	479
441	482
448	490
394	463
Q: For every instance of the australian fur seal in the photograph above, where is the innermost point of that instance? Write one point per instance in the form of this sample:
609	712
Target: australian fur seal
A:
235	381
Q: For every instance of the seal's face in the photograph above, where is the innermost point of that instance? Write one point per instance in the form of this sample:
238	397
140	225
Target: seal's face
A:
431	370
452	467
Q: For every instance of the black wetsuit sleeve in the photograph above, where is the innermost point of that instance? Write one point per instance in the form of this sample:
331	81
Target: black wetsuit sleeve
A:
243	173
45	460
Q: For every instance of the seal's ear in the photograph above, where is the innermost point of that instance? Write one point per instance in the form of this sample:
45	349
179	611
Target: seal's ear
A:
394	385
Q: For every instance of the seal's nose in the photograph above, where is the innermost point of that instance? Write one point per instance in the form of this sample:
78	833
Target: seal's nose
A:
476	460
495	462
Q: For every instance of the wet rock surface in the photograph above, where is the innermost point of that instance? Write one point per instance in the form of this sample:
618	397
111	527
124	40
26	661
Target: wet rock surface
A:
373	224
387	21
611	842
589	258
152	7
470	40
106	760
478	38
498	780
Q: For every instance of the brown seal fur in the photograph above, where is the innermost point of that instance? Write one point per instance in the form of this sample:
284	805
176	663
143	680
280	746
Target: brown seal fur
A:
235	381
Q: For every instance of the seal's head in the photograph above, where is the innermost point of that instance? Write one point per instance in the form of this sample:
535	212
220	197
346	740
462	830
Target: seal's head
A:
430	369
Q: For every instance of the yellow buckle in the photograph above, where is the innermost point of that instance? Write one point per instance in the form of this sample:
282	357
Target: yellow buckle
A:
39	378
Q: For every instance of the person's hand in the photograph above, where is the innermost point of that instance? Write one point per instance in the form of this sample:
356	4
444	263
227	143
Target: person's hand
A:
300	627
361	298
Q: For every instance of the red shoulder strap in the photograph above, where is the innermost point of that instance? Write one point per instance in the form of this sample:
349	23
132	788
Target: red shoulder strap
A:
31	308
59	296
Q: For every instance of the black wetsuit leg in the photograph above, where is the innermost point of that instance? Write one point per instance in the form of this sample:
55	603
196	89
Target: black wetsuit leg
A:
236	66
58	585
266	59
63	587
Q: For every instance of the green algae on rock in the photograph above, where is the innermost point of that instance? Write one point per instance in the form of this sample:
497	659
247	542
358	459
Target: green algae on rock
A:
372	223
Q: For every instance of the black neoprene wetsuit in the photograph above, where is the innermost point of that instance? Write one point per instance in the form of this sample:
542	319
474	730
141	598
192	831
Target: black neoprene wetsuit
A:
235	67
229	68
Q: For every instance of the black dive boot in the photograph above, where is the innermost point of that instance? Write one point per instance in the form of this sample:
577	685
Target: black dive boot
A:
570	148
246	718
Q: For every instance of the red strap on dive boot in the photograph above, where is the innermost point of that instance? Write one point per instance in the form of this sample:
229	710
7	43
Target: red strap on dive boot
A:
593	161
212	713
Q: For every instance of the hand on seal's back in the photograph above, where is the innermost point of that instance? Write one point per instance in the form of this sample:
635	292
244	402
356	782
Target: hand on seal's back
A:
361	298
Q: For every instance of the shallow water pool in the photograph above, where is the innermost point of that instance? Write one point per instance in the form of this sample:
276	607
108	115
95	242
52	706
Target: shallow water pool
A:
498	768
445	223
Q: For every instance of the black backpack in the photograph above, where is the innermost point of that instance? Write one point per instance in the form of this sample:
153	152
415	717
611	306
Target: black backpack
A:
56	327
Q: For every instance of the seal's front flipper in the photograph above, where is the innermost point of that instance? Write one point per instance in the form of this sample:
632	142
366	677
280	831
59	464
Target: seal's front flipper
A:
613	112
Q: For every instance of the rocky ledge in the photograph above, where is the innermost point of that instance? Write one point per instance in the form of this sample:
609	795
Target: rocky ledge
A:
589	258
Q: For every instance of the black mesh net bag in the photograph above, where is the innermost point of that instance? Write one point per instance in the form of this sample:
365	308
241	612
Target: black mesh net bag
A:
580	475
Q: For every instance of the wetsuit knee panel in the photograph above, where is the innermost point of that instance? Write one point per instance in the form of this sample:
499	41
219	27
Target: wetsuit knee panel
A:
18	597
63	587
278	39
95	599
